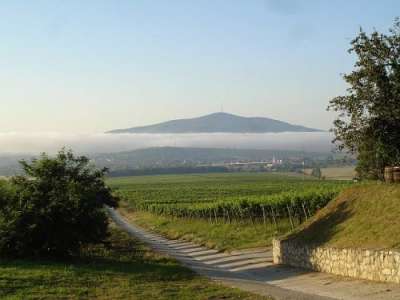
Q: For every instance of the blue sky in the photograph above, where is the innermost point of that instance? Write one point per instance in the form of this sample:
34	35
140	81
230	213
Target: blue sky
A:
90	66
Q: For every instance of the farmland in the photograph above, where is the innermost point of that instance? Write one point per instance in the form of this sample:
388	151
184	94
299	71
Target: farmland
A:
224	210
336	173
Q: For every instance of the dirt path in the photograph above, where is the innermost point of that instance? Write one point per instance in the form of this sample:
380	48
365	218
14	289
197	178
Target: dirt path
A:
253	270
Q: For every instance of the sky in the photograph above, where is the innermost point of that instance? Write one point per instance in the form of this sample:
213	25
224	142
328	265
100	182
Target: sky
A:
91	66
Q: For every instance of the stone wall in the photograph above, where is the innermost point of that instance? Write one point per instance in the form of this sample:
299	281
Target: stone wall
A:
377	265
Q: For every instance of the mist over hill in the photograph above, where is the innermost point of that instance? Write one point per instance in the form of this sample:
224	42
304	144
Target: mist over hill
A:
135	150
219	122
176	158
34	143
172	156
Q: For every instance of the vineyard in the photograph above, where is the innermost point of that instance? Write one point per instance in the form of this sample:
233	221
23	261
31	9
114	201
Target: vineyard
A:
225	198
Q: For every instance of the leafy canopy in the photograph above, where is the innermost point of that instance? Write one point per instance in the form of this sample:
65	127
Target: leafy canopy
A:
369	115
55	208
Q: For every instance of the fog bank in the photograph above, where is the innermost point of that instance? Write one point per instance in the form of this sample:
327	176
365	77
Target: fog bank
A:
33	143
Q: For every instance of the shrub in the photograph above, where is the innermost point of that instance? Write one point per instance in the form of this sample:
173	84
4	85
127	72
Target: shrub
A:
55	208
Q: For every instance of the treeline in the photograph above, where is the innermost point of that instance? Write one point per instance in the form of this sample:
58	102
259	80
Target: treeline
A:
170	170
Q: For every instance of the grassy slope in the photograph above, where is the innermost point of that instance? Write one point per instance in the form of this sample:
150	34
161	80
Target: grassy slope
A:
365	216
220	236
125	270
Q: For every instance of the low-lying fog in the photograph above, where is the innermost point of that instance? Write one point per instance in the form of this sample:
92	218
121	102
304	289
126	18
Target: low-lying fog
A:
97	143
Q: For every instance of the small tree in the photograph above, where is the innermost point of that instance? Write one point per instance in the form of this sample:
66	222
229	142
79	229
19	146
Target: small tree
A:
369	120
55	208
316	172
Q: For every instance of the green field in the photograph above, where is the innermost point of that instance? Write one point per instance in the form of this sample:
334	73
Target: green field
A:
205	187
227	210
336	173
123	269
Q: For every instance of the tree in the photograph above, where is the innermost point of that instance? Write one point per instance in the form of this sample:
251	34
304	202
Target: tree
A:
55	208
316	172
369	115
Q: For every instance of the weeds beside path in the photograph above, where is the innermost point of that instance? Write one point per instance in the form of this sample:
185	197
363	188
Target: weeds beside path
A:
221	236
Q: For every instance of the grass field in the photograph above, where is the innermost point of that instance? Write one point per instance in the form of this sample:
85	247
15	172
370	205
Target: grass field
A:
204	187
125	269
222	236
364	216
225	211
336	173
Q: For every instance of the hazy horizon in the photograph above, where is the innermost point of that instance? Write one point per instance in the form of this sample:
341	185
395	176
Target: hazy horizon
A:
34	143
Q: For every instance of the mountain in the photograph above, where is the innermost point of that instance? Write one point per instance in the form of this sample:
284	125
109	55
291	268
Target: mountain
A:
9	163
219	122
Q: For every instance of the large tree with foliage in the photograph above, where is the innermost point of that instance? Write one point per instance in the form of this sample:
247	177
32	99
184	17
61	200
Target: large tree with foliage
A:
55	208
369	115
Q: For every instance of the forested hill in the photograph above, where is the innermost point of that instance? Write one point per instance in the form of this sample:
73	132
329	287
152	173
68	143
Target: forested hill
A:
219	122
176	156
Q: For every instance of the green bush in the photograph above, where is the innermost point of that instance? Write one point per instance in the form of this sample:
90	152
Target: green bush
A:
55	208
